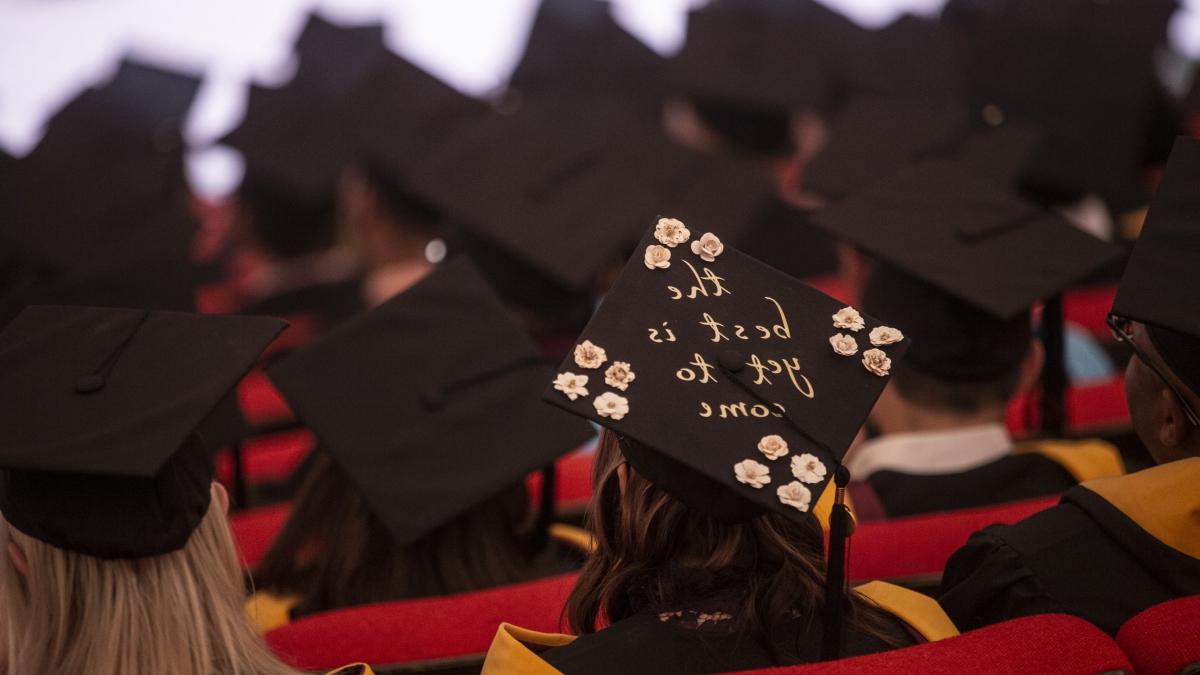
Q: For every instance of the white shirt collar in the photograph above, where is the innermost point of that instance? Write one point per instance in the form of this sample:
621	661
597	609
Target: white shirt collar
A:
931	452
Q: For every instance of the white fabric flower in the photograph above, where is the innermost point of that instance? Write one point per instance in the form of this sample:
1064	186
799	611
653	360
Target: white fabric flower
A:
752	473
588	355
808	469
848	317
795	494
657	257
885	335
844	344
671	232
773	446
708	247
619	375
571	384
612	406
877	361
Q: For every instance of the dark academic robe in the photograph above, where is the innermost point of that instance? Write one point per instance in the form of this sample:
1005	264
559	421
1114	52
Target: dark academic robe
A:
1112	548
655	644
330	303
1033	471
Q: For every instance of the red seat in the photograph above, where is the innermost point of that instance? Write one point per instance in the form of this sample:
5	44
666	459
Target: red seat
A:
573	488
1164	639
420	630
1097	406
269	459
1053	644
261	403
254	530
918	546
1088	308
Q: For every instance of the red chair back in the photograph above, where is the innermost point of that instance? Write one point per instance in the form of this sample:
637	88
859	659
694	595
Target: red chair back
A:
1164	639
1088	308
573	486
918	546
1049	644
254	530
420	630
1093	407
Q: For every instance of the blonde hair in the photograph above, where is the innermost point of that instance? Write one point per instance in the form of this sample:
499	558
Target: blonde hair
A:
179	613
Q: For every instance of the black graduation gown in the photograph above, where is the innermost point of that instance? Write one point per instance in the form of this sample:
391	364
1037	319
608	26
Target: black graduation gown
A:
654	644
1008	479
1109	550
331	303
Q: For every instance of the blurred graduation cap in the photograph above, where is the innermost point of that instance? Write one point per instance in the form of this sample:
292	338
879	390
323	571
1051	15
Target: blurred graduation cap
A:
429	402
1157	288
1092	97
575	48
1137	23
962	259
562	189
766	55
332	56
99	454
910	58
110	162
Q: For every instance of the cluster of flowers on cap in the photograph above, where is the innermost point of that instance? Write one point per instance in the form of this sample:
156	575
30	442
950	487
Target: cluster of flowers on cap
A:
875	360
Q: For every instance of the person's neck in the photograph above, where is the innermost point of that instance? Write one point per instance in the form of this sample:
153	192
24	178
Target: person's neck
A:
387	280
910	419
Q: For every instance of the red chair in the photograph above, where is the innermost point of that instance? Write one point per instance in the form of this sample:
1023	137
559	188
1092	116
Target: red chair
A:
457	627
1050	644
915	549
573	486
254	531
1164	639
268	459
1094	407
1088	308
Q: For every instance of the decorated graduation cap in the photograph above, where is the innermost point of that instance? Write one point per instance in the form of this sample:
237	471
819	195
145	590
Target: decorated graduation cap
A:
1156	288
429	402
562	188
974	257
575	48
99	454
734	387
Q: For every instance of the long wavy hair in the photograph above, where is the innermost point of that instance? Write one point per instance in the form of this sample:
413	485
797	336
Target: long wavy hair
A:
180	613
653	553
335	552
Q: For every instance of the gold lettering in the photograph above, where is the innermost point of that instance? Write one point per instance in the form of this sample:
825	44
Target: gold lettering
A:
716	281
781	329
759	410
793	369
705	409
654	335
740	332
766	334
758	366
675	292
781	410
727	410
685	374
715	326
705	369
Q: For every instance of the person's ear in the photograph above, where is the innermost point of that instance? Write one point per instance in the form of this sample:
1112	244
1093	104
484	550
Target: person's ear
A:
220	494
19	561
1173	425
1031	367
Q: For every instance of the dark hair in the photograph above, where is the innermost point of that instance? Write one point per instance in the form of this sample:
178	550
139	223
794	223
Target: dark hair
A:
967	396
653	553
406	208
288	225
335	552
749	128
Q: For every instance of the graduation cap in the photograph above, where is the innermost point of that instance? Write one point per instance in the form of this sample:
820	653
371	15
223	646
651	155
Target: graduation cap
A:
978	257
910	58
1156	288
331	56
562	188
99	455
429	402
575	48
110	161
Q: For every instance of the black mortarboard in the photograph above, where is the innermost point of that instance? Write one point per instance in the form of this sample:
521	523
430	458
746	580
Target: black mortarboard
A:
110	160
944	224
99	454
698	365
429	402
968	243
910	58
563	188
766	55
575	48
1157	288
331	57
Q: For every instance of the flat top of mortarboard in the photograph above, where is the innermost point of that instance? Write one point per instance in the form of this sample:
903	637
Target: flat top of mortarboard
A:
1157	287
563	188
767	54
116	391
969	236
332	56
429	402
730	369
910	58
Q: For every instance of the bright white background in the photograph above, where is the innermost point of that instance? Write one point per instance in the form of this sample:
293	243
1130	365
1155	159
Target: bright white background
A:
50	50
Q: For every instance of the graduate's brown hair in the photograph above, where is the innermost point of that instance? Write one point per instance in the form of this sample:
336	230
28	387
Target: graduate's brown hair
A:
653	553
335	552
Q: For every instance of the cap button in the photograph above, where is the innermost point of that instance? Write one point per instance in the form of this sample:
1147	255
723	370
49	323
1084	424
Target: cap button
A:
992	114
731	360
89	384
433	399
